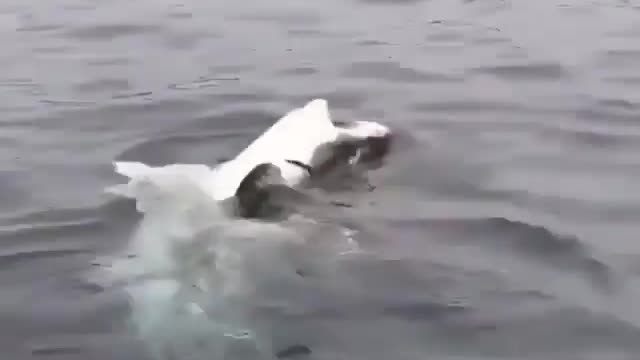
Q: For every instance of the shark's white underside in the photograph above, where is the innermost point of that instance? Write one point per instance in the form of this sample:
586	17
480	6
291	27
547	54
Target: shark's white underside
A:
296	136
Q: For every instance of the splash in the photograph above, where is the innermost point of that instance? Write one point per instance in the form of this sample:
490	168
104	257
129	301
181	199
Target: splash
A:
195	276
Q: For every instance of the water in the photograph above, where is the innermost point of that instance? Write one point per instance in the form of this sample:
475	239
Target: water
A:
504	227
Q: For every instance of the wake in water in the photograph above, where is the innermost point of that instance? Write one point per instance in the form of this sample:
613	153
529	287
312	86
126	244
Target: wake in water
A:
195	275
196	272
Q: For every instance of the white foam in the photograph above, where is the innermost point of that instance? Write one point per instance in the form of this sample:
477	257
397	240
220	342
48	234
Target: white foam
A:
194	272
191	273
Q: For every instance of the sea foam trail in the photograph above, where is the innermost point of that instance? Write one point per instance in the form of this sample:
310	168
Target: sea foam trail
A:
194	275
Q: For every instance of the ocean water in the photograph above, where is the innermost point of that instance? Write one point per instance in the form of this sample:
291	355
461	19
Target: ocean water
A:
503	226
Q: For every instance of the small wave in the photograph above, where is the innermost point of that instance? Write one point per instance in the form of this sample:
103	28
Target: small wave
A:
103	85
394	72
40	28
282	18
68	229
132	95
424	311
170	149
471	106
533	242
12	259
530	72
108	32
47	216
619	58
298	71
339	99
56	351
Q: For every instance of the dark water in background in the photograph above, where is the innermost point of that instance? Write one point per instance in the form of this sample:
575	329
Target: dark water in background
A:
506	229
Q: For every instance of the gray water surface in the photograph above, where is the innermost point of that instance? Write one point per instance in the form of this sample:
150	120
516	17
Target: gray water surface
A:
505	225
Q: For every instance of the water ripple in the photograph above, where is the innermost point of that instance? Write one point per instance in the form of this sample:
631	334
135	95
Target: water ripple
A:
110	32
40	28
299	71
534	242
505	216
8	260
554	72
620	58
393	72
56	351
100	85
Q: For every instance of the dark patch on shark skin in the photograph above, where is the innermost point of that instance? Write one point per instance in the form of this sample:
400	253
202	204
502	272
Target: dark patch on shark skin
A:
253	193
332	167
376	148
264	194
370	151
